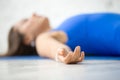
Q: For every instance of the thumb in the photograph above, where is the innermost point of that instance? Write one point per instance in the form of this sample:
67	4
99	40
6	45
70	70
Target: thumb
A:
62	52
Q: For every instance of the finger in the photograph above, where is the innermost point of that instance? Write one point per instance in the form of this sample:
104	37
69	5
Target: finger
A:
72	56
76	53
81	58
73	60
67	59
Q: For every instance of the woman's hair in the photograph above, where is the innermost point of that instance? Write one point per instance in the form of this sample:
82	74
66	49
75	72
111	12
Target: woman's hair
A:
16	47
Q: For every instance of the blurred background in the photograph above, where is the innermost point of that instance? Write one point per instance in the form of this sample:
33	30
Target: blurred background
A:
57	11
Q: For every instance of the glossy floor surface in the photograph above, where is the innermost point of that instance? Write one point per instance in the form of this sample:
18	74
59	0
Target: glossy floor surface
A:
35	68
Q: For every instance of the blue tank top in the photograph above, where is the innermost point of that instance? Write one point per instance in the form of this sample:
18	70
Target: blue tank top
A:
97	34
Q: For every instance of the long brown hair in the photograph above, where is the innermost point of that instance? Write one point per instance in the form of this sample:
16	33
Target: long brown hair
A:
16	47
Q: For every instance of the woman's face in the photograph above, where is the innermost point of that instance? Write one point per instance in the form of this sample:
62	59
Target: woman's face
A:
31	27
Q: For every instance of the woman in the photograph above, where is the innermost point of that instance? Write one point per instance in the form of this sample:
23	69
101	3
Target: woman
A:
33	37
97	34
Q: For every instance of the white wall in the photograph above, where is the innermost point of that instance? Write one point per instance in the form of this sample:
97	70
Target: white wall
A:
56	10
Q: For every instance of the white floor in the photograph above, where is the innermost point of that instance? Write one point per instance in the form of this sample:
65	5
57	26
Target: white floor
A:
45	69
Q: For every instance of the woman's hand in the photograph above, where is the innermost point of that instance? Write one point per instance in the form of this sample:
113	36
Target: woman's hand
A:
70	57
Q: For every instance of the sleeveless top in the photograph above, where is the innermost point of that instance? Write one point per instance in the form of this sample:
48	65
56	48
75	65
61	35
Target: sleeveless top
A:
97	34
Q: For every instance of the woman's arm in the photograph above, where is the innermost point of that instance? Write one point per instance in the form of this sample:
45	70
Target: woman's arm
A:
51	45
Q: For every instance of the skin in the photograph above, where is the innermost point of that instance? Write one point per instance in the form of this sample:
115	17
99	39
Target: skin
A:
48	44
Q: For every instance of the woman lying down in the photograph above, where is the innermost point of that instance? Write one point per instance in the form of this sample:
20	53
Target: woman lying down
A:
93	34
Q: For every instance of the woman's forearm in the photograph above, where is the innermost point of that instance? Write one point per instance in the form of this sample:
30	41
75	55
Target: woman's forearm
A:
47	46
